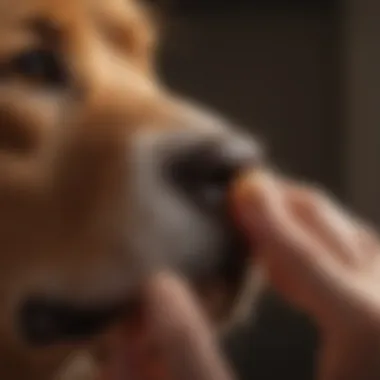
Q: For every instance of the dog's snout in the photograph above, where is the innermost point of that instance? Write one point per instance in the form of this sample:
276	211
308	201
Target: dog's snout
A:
204	170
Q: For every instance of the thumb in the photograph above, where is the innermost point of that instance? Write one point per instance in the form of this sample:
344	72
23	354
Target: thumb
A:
264	211
186	339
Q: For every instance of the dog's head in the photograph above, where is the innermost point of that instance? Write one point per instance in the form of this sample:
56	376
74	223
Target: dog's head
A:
104	174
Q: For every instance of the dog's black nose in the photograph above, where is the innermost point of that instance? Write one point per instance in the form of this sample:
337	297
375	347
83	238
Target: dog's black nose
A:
204	170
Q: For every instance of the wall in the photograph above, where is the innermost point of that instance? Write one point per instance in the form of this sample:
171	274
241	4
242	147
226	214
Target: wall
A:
362	112
273	71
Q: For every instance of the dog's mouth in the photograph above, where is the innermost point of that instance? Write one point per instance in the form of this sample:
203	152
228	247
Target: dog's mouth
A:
46	320
49	321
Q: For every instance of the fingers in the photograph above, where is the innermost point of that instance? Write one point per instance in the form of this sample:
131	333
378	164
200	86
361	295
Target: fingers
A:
173	343
265	211
327	221
323	218
354	356
188	343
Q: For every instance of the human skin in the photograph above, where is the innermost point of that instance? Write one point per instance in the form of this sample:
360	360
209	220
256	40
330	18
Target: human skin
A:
320	258
174	340
323	261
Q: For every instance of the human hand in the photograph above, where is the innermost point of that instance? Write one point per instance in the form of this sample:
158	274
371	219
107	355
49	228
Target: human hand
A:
322	260
174	342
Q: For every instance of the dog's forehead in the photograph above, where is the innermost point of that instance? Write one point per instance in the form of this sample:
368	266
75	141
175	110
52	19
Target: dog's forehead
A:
18	6
121	19
17	13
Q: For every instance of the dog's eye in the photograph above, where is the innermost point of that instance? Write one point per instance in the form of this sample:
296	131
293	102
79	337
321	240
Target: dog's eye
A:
40	65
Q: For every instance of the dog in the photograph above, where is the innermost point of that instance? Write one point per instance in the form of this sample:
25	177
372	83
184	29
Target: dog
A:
105	177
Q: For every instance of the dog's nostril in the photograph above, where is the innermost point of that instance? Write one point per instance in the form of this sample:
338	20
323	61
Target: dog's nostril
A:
204	172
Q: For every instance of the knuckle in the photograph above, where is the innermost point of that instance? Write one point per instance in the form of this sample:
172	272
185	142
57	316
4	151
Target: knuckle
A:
316	198
310	203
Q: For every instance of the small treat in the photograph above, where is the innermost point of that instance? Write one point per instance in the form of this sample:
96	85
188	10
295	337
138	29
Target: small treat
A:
246	186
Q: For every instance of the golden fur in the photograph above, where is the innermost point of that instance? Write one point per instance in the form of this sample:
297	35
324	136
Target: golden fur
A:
63	154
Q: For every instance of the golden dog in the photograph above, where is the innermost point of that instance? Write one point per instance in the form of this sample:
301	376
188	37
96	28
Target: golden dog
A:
105	176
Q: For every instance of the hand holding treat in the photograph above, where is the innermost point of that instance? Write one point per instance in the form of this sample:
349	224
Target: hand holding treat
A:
320	258
174	341
324	262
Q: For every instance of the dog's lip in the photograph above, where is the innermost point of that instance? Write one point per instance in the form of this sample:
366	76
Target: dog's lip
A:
47	320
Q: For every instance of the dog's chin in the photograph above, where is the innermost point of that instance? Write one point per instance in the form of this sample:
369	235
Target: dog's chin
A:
225	294
226	290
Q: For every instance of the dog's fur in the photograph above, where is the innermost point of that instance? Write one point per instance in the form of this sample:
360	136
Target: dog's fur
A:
85	211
